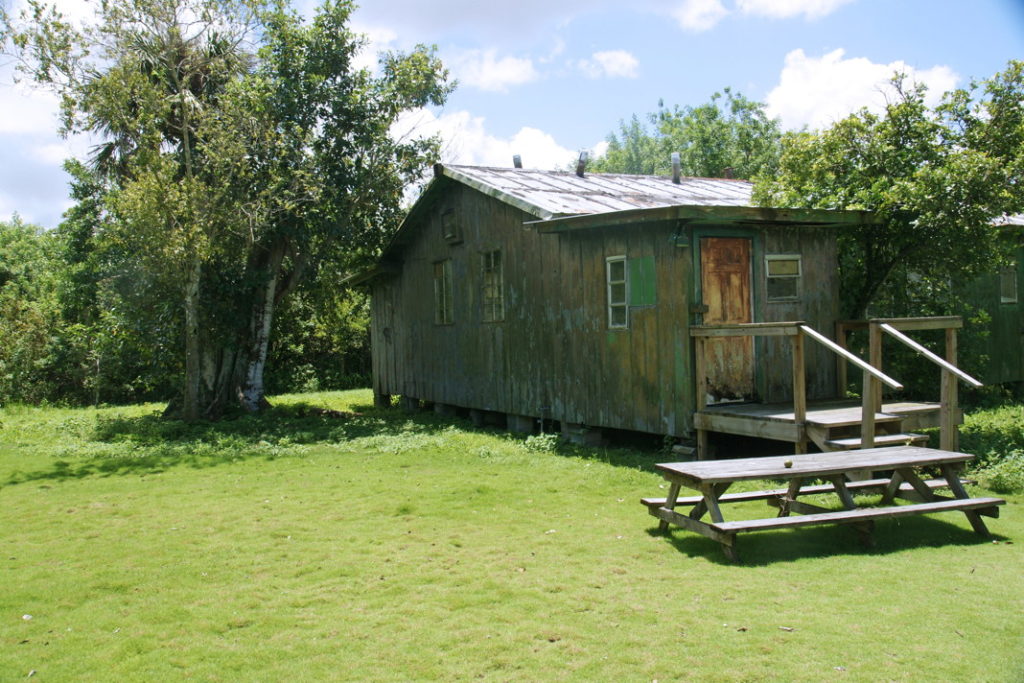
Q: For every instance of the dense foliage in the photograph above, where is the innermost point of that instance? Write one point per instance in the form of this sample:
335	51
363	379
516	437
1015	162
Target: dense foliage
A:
80	326
729	135
936	179
243	157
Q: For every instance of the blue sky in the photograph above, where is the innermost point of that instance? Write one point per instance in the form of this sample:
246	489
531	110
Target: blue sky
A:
548	78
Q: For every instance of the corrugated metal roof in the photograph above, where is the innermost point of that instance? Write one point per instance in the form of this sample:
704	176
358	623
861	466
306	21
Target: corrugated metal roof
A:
549	194
1017	219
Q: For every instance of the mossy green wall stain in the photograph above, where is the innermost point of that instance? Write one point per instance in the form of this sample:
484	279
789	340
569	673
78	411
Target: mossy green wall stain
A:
642	282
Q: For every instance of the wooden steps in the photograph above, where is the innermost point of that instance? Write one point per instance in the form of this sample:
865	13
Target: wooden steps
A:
854	442
829	425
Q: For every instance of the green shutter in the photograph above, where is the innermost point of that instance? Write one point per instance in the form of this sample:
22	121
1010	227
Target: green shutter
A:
641	281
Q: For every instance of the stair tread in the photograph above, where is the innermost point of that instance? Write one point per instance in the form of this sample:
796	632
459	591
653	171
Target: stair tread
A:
880	440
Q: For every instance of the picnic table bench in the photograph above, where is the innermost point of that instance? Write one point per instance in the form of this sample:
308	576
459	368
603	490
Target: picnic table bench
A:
711	478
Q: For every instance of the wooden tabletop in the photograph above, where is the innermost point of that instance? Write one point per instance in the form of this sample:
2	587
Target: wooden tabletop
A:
809	465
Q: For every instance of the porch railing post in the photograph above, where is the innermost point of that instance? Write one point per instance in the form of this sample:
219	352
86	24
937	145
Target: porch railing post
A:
799	390
700	381
871	400
948	411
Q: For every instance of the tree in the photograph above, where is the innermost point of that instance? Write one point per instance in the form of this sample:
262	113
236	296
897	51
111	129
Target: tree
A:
935	180
242	149
29	314
730	134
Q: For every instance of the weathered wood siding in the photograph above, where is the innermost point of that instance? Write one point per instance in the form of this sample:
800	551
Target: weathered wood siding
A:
554	355
817	305
1004	343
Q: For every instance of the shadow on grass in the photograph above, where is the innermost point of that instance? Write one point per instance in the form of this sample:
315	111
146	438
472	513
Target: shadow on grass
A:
775	547
149	444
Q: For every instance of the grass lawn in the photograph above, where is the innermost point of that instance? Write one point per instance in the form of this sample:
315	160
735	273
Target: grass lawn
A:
371	545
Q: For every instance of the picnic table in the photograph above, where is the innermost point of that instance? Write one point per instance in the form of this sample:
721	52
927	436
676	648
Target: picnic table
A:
712	478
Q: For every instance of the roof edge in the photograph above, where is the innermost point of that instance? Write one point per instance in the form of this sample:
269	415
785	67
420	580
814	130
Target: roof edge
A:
706	213
491	191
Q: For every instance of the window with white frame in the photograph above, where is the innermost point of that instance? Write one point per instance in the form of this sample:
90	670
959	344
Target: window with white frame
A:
443	314
493	286
618	292
1008	285
783	273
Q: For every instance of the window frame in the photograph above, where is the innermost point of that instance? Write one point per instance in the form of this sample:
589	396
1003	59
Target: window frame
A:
798	276
444	296
492	286
1011	271
614	306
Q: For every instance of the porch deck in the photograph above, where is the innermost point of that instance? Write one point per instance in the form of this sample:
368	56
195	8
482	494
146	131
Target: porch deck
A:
831	425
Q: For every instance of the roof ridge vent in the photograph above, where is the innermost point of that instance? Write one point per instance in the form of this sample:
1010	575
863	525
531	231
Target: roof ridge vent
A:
676	172
581	165
517	161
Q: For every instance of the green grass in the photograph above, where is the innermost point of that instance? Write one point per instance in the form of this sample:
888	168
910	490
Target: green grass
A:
370	545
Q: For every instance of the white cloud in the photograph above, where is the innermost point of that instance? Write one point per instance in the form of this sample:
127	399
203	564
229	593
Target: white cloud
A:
483	69
495	23
25	110
699	15
466	141
817	92
783	9
378	40
610	64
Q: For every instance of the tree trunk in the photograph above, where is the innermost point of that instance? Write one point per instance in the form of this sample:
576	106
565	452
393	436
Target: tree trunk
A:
193	357
253	390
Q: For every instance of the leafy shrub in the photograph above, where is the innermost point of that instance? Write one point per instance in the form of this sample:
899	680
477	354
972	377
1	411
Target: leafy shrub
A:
542	443
993	434
1006	476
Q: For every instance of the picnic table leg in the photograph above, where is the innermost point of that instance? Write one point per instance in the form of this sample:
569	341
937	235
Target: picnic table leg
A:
953	479
711	493
864	529
791	493
670	503
892	488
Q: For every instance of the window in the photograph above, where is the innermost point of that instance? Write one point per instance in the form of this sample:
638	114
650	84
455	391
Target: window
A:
493	287
450	228
443	292
783	271
1008	285
618	292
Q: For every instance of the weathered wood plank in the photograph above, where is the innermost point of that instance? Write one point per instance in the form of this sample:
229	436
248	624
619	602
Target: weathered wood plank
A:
726	424
861	486
813	464
856	515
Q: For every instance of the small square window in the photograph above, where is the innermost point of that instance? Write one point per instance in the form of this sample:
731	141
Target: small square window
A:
450	228
783	272
618	292
1008	285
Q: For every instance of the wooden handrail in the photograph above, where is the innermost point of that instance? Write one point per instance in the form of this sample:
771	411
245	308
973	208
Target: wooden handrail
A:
783	329
948	367
836	348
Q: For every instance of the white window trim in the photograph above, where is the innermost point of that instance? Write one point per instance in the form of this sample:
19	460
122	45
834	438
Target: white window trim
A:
608	290
799	276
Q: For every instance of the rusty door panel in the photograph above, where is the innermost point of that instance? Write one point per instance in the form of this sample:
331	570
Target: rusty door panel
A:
726	292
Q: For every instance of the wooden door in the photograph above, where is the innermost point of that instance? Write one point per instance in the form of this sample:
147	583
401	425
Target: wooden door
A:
726	292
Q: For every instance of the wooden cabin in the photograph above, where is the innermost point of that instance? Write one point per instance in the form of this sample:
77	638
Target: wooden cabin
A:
1001	296
654	304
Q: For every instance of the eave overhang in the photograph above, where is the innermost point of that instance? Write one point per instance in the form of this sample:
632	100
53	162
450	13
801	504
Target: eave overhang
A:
729	215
